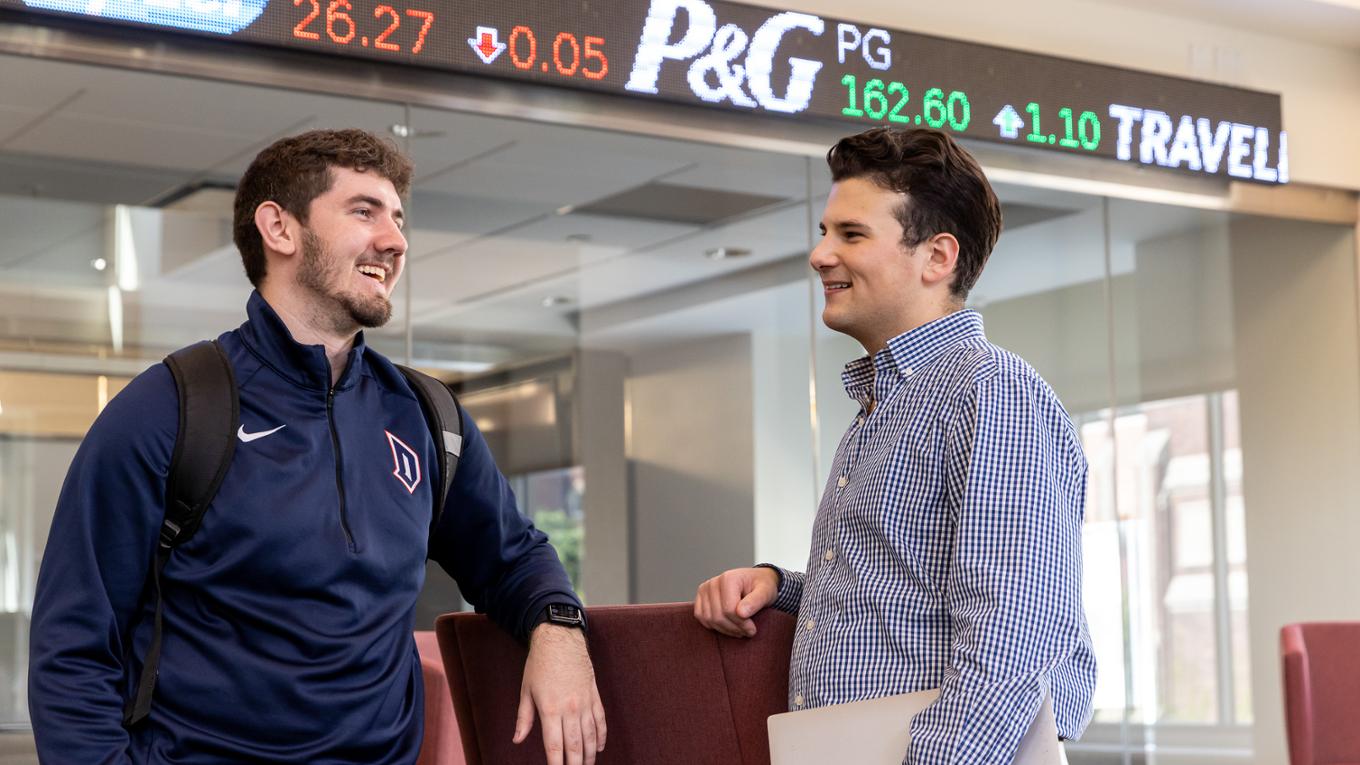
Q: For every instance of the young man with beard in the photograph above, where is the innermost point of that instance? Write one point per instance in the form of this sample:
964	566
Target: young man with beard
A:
288	615
946	552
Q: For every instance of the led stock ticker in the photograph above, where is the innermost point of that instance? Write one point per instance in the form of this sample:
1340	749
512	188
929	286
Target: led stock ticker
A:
340	28
740	58
569	54
900	78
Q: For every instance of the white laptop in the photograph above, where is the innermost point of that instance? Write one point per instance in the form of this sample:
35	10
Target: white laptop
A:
878	732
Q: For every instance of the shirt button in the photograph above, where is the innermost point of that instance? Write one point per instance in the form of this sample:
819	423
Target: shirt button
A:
908	371
809	624
859	420
842	481
798	700
830	555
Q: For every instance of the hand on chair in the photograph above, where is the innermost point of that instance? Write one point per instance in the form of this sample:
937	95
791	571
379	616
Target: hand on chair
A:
727	602
559	683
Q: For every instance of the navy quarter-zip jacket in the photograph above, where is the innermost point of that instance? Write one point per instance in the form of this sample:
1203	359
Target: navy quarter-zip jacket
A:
289	615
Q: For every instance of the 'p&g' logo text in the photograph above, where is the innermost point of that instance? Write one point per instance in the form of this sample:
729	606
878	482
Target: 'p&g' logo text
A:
716	76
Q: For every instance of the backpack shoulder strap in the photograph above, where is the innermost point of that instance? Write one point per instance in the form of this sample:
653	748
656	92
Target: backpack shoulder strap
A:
209	410
443	416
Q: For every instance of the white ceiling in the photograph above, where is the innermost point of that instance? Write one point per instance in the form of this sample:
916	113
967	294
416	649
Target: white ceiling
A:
492	231
1331	22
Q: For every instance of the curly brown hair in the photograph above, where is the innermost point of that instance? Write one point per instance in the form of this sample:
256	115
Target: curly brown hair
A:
296	170
946	191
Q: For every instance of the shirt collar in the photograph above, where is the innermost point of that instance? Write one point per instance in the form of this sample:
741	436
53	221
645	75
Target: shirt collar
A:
909	353
307	365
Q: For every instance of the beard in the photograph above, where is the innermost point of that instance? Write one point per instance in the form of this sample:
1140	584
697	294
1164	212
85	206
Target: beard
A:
345	312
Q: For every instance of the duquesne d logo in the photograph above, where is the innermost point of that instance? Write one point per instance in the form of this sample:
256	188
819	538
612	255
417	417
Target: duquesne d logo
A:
405	463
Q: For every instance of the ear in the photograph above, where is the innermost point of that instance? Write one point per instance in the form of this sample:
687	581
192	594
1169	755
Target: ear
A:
942	256
279	230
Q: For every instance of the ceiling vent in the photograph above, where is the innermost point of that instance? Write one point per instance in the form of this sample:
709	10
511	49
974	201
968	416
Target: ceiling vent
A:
673	203
213	197
1015	215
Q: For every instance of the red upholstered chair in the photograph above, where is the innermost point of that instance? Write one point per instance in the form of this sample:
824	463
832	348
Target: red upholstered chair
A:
674	693
441	745
1322	692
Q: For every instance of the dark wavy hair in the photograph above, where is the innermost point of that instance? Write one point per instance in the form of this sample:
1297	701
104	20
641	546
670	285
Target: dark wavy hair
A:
294	171
946	191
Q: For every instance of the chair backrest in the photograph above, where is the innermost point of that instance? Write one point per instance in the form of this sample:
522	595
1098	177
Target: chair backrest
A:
674	692
441	744
1322	692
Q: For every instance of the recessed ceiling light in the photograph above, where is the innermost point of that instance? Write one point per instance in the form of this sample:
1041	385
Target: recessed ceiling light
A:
406	131
99	264
555	301
726	253
566	209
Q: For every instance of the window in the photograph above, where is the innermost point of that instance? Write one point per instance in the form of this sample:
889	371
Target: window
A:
1168	488
553	501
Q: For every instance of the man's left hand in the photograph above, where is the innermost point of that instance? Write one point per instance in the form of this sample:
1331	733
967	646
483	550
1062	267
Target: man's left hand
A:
559	682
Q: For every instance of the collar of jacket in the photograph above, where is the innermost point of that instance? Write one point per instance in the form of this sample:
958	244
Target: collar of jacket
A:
305	365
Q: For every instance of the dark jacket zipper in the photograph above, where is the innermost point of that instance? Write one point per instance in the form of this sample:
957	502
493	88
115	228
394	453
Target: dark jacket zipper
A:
339	482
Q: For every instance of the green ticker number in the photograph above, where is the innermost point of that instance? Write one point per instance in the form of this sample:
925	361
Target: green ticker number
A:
1087	129
882	100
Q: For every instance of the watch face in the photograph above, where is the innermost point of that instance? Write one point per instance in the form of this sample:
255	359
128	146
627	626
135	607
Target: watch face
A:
565	614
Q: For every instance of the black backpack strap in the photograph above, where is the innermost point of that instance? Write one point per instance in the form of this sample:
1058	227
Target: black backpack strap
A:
444	417
209	410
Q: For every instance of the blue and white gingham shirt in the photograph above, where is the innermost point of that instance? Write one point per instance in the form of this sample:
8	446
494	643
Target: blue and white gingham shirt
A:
947	549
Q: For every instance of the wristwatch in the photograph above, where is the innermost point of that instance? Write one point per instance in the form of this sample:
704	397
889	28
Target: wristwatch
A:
563	614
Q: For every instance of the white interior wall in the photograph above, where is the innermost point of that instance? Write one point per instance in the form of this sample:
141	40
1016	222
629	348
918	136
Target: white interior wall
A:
1320	84
835	409
1294	298
787	479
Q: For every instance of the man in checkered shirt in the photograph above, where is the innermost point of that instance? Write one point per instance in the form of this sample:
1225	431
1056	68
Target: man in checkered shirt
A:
946	552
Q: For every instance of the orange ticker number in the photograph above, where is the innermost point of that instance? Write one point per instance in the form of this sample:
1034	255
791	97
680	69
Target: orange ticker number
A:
341	28
569	56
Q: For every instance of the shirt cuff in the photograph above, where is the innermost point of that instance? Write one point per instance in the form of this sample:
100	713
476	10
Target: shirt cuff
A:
790	594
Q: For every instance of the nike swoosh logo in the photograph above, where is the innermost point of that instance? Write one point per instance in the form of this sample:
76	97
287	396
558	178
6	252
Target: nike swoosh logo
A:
248	437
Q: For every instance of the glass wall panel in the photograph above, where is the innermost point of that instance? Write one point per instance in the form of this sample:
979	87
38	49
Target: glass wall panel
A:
1173	297
42	418
631	312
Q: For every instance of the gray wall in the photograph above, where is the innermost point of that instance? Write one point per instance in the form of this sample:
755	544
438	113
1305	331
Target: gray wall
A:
1182	289
1173	325
1063	333
691	449
600	423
